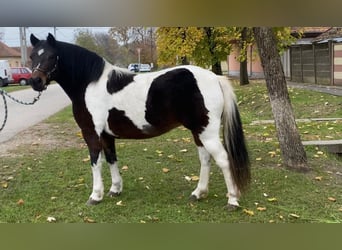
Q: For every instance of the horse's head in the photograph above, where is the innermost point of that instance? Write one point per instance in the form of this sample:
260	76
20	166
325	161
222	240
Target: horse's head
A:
44	62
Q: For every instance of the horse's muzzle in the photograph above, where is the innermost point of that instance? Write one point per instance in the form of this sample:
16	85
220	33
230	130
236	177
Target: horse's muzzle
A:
37	84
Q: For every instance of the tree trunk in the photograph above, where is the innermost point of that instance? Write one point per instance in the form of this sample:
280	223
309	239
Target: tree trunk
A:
291	147
243	64
216	68
243	73
184	60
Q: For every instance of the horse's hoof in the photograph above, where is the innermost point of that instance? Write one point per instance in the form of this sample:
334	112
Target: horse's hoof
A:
113	194
231	208
92	202
193	198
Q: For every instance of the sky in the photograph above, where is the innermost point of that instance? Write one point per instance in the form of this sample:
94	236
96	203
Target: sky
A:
66	34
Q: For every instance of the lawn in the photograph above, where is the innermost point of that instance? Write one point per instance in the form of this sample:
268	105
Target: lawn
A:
41	182
14	87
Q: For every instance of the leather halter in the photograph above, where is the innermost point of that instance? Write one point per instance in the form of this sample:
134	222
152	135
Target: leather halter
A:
47	73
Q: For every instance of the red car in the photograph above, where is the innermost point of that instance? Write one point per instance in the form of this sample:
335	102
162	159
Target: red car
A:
21	75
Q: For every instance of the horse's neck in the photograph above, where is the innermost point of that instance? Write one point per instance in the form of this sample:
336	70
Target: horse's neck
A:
76	72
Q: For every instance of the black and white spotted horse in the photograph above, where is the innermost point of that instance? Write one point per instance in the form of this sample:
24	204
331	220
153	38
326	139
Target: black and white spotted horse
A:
109	102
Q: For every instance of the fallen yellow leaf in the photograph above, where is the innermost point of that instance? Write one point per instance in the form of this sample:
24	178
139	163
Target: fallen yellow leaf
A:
88	220
186	139
119	203
20	202
249	212
183	150
272	154
124	168
295	216
318	178
273	199
258	159
4	185
86	159
187	178
331	199
261	208
166	170
194	178
51	219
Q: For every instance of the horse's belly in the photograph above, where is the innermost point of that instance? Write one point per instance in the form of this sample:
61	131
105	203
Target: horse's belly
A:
123	126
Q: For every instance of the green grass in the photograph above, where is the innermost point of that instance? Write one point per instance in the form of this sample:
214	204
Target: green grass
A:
57	182
14	87
254	103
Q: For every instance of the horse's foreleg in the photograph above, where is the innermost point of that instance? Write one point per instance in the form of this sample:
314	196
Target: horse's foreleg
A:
95	148
98	189
108	143
202	186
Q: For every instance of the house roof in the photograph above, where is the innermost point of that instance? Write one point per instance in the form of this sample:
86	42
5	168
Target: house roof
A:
309	32
28	49
6	51
312	35
334	33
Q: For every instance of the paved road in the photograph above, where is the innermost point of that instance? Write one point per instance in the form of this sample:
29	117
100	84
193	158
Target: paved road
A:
21	117
333	90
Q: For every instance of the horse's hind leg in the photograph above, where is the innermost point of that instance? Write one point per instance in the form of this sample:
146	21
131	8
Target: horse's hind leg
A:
212	143
202	186
108	143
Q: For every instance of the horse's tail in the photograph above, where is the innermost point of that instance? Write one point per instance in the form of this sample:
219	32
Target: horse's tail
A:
233	137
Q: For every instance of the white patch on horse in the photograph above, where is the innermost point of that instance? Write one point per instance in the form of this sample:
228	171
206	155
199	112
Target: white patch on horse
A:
98	188
116	187
97	100
131	100
41	52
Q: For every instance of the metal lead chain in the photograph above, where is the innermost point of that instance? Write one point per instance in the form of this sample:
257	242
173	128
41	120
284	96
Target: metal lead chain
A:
4	94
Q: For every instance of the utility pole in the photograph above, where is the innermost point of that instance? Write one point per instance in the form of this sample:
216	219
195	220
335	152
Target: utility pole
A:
55	32
23	47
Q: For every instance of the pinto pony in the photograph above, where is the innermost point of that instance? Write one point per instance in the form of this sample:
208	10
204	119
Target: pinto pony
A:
109	102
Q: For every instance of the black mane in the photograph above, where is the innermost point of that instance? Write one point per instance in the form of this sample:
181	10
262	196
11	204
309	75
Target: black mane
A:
79	66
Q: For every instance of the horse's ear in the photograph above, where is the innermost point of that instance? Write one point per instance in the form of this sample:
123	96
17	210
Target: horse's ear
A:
51	40
34	40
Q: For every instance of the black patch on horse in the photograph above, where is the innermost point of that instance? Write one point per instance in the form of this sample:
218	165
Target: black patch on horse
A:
117	80
174	98
123	127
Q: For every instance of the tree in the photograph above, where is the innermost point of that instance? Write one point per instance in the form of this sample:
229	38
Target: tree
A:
291	147
85	38
133	38
110	47
175	45
204	46
244	39
214	47
244	42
